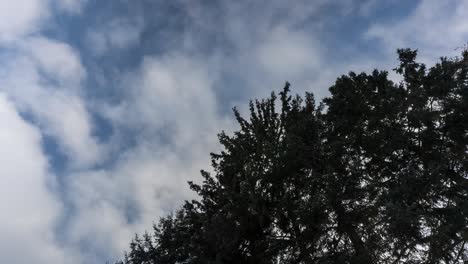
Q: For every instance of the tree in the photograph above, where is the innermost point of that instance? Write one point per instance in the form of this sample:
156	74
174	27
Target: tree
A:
376	173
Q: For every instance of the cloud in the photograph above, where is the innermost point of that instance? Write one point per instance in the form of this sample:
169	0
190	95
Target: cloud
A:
40	81
436	28
20	17
56	60
171	108
44	79
111	205
115	35
28	210
173	91
287	53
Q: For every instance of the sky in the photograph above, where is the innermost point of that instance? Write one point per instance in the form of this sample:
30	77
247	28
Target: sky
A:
108	107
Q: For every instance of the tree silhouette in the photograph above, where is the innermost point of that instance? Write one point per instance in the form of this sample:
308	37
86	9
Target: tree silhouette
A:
376	173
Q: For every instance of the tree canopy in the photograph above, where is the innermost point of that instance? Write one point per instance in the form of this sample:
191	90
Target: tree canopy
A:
375	173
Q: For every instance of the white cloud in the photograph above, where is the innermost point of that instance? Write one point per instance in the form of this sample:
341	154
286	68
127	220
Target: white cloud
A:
146	183
43	79
288	54
40	78
434	27
27	208
171	105
170	96
56	60
20	17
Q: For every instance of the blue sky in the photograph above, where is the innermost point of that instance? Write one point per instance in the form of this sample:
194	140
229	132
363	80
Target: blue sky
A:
107	108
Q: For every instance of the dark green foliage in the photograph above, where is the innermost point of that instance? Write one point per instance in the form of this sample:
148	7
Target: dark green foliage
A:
375	174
